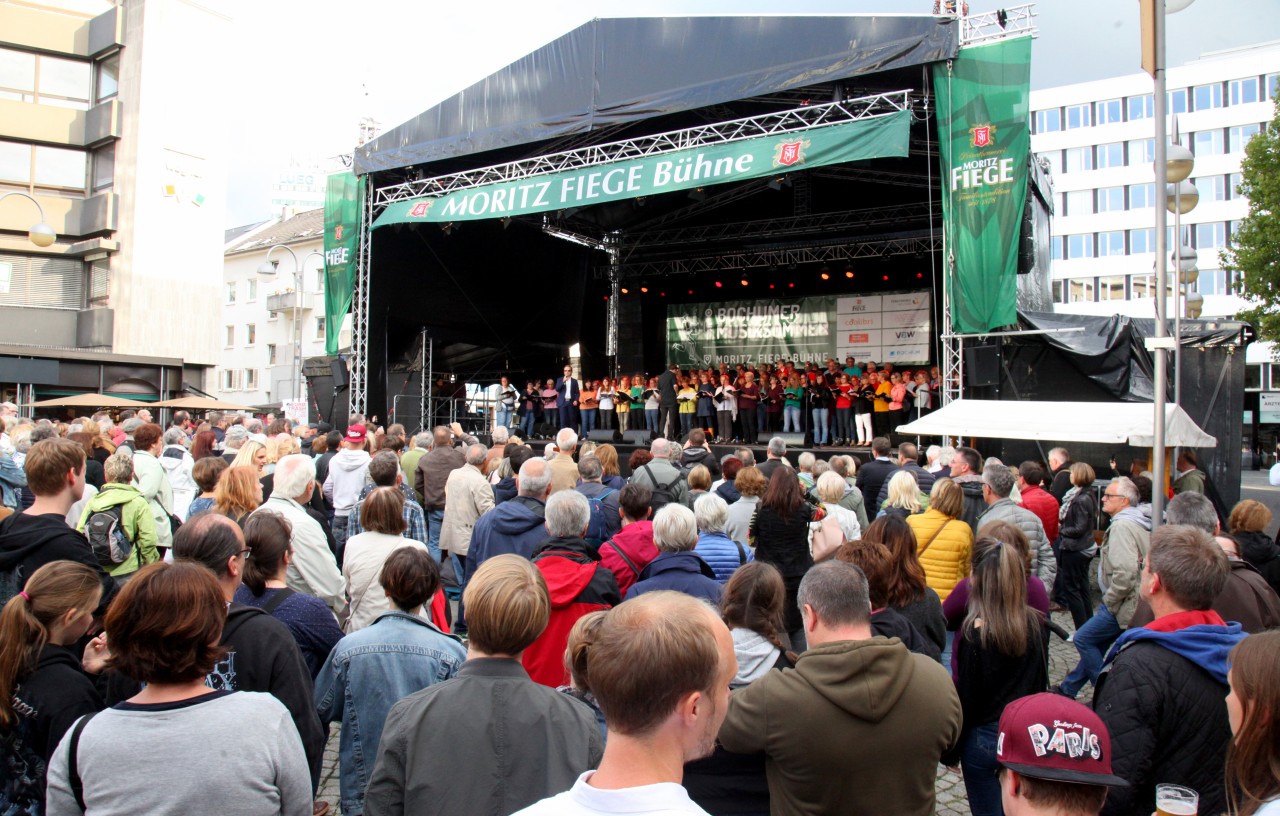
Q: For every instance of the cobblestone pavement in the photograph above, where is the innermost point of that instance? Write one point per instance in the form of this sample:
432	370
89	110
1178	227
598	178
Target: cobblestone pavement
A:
950	787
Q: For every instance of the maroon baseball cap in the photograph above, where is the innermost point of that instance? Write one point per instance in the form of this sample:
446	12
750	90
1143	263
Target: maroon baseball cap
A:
355	433
1049	736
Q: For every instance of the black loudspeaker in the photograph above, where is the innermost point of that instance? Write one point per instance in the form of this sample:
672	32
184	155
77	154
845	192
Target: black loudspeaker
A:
339	368
982	365
793	440
602	436
639	437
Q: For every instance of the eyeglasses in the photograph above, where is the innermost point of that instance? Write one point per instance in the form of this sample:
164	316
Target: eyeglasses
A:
1112	496
246	552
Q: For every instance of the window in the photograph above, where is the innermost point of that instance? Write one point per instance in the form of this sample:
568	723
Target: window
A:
64	83
1049	121
58	167
253	290
1110	111
1111	155
1238	137
1211	188
1233	185
231	336
1211	236
1111	199
319	287
1079	202
271	353
1242	91
1208	96
1059	291
1273	82
1055	248
1080	290
231	292
17	75
1141	107
231	380
1142	151
107	78
251	334
1142	286
1141	196
104	167
1212	282
1111	288
1111	244
319	328
1080	246
15	163
1142	241
1207	143
1178	101
1078	116
251	379
1079	158
272	315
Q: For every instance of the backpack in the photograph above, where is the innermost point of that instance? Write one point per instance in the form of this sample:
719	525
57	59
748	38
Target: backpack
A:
597	529
105	531
662	494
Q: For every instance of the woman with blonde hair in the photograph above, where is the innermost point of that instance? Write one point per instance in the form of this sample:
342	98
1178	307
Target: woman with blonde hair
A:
102	446
252	454
944	541
622	403
238	493
904	496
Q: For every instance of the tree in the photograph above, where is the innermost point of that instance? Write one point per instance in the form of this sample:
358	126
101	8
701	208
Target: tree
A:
1254	251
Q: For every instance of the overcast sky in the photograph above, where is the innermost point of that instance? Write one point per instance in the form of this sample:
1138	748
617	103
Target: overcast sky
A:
303	80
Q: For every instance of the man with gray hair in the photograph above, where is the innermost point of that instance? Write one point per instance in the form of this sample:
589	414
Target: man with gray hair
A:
514	526
467	497
497	450
857	708
1060	472
235	437
313	569
997	484
678	567
409	460
578	584
384	471
1124	548
605	519
662	477
564	471
777	457
178	466
748	458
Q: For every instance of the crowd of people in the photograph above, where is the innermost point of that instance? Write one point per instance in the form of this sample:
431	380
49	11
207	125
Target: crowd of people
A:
501	630
840	405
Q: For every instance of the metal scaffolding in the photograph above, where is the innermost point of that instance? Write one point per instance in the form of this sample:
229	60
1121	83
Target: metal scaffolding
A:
358	393
990	26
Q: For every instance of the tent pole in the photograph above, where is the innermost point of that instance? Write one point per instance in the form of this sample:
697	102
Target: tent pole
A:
1160	346
611	326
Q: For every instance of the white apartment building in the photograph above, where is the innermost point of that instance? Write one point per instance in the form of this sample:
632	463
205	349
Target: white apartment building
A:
1097	138
258	364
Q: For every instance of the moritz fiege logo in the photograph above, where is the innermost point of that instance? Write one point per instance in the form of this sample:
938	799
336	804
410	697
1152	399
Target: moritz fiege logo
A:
982	135
790	153
337	233
421	209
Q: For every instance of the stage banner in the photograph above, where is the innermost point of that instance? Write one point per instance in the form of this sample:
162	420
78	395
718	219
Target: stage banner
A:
870	138
343	198
982	123
892	327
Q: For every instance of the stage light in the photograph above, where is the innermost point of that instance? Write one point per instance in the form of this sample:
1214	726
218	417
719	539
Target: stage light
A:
606	297
791	286
698	194
719	284
626	291
691	291
771	286
824	272
848	273
919	274
644	290
662	294
884	277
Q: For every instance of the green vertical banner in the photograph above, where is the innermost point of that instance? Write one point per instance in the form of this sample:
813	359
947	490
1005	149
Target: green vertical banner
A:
983	106
343	201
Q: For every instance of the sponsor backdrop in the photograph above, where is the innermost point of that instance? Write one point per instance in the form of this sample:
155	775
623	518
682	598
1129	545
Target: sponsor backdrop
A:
983	99
342	200
893	327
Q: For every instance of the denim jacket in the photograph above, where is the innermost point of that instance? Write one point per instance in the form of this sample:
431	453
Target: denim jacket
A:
367	673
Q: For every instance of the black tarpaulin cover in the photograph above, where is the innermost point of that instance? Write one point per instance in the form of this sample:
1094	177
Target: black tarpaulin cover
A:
609	71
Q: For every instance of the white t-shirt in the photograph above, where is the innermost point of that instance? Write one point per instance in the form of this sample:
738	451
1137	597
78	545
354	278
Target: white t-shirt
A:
1275	474
1271	808
663	799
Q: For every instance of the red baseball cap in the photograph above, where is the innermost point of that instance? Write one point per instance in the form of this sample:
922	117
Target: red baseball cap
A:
1049	736
355	433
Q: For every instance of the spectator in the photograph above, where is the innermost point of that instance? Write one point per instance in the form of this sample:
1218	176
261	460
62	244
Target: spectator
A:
1038	500
698	452
721	553
577	654
164	632
443	747
204	445
382	518
1002	654
908	454
628	553
873	558
268	537
384	471
1248	523
564	472
121	500
514	526
1188	478
1076	546
660	669
1060	470
677	567
726	487
780	534
750	485
998	483
398	654
907	590
259	652
1253	782
313	568
238	493
1161	691
206	473
1053	777
904	497
662	477
866	720
468	496
252	454
608	456
93	474
577	584
874	474
347	471
178	466
699	479
943	541
966	471
606	521
150	477
42	689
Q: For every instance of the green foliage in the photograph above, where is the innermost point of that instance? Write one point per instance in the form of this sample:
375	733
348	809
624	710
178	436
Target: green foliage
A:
1254	251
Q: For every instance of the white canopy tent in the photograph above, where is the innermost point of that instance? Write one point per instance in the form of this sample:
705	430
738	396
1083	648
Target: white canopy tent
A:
1105	422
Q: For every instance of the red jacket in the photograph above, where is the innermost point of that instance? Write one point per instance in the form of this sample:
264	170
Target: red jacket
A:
578	585
1045	506
635	541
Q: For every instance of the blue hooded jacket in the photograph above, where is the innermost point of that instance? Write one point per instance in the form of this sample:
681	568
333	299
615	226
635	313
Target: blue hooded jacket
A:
680	571
515	526
1206	645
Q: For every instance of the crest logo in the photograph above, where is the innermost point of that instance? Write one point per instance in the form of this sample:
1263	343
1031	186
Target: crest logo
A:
790	153
421	209
982	135
337	233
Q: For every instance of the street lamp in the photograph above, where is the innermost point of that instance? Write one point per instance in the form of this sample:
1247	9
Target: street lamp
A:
268	268
1181	197
40	234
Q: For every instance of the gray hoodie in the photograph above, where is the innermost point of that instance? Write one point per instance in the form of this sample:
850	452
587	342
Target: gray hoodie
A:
756	656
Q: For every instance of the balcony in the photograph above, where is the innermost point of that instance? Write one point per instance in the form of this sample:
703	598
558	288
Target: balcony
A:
286	302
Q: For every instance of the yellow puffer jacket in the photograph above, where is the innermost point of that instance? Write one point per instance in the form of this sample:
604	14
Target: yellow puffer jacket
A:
949	546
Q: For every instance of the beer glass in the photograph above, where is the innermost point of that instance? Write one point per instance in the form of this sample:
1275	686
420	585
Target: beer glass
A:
1175	800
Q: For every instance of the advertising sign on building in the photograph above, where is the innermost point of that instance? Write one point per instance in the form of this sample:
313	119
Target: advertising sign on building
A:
1269	407
294	410
893	327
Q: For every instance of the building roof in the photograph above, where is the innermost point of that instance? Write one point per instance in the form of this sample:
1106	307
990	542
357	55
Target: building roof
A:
305	226
229	236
